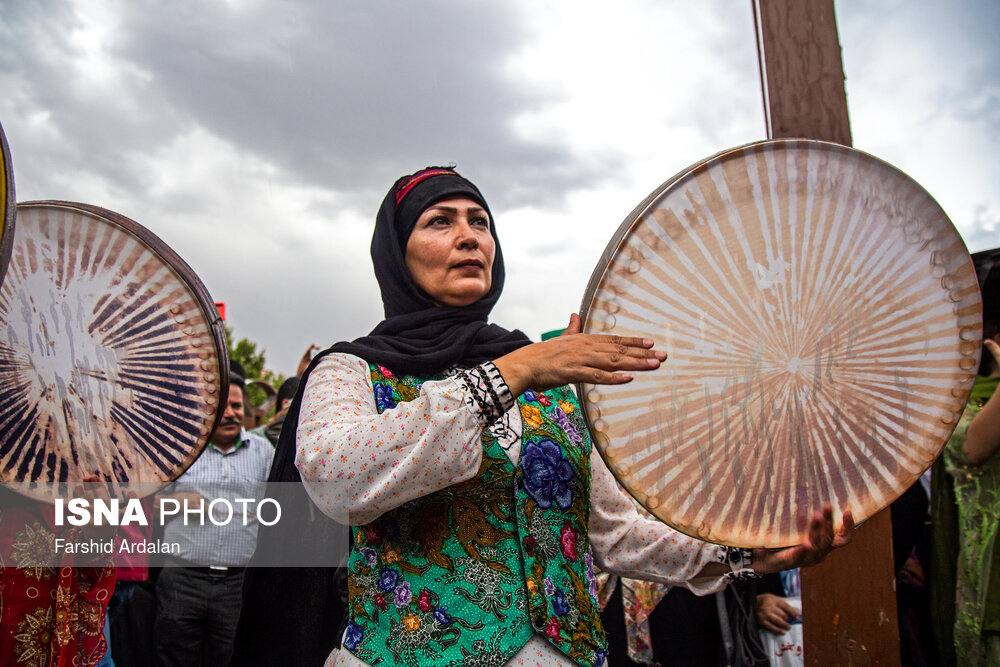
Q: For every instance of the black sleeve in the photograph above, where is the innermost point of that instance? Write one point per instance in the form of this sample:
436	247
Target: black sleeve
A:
770	583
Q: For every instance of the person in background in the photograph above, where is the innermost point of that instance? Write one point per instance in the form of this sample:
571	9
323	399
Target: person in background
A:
52	611
968	522
272	429
306	359
971	460
127	630
200	591
982	436
778	612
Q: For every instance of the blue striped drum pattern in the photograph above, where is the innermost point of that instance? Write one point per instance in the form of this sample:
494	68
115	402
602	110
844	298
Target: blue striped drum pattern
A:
109	360
823	324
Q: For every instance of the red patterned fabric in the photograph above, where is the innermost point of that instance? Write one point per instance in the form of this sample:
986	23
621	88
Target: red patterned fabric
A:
49	616
417	179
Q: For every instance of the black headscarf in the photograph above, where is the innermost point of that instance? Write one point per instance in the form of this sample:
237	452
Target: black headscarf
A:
292	615
418	336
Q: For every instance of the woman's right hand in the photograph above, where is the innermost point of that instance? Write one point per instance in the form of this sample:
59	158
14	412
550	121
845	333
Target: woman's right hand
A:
577	357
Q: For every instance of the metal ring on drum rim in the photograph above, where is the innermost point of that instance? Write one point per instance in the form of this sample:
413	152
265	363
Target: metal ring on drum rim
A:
112	354
822	321
7	204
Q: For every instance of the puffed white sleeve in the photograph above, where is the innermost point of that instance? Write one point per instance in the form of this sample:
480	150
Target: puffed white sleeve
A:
355	460
630	545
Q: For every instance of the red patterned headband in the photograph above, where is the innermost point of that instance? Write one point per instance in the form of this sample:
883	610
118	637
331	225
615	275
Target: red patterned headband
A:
418	178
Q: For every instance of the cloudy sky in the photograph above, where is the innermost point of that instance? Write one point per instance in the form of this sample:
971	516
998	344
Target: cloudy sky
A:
258	138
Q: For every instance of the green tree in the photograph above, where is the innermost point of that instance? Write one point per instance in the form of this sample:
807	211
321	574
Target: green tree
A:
245	351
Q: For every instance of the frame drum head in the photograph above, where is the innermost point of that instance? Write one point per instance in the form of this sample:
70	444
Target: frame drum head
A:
7	203
822	322
112	355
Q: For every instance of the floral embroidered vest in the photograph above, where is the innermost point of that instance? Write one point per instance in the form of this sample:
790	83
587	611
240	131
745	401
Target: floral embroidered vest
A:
467	575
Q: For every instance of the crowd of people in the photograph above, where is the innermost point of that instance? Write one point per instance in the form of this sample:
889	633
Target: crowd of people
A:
486	529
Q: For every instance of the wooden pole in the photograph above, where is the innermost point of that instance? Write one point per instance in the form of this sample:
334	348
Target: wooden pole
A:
848	602
802	75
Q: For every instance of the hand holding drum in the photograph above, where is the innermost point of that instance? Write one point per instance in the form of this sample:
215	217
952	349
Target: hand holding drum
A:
576	357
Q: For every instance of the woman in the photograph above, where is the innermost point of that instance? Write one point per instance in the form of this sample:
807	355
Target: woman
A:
970	458
480	506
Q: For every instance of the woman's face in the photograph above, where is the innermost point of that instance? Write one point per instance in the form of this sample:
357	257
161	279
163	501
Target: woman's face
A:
450	252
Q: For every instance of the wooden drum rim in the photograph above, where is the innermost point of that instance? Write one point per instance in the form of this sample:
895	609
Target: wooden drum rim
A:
7	204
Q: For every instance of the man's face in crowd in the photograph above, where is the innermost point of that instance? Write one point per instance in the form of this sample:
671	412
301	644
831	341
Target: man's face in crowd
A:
232	419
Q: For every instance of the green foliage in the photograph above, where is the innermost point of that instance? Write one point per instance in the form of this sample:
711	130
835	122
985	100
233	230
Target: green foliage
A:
245	352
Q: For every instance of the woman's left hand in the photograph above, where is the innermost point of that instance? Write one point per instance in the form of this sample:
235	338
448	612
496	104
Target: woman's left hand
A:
820	541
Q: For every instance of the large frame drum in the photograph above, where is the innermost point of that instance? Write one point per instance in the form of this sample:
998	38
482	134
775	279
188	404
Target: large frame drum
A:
112	354
823	325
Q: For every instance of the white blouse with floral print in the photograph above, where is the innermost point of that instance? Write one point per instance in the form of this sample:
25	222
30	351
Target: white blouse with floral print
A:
353	458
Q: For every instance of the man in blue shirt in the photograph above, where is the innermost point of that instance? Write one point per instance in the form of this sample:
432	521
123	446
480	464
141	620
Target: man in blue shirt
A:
199	593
